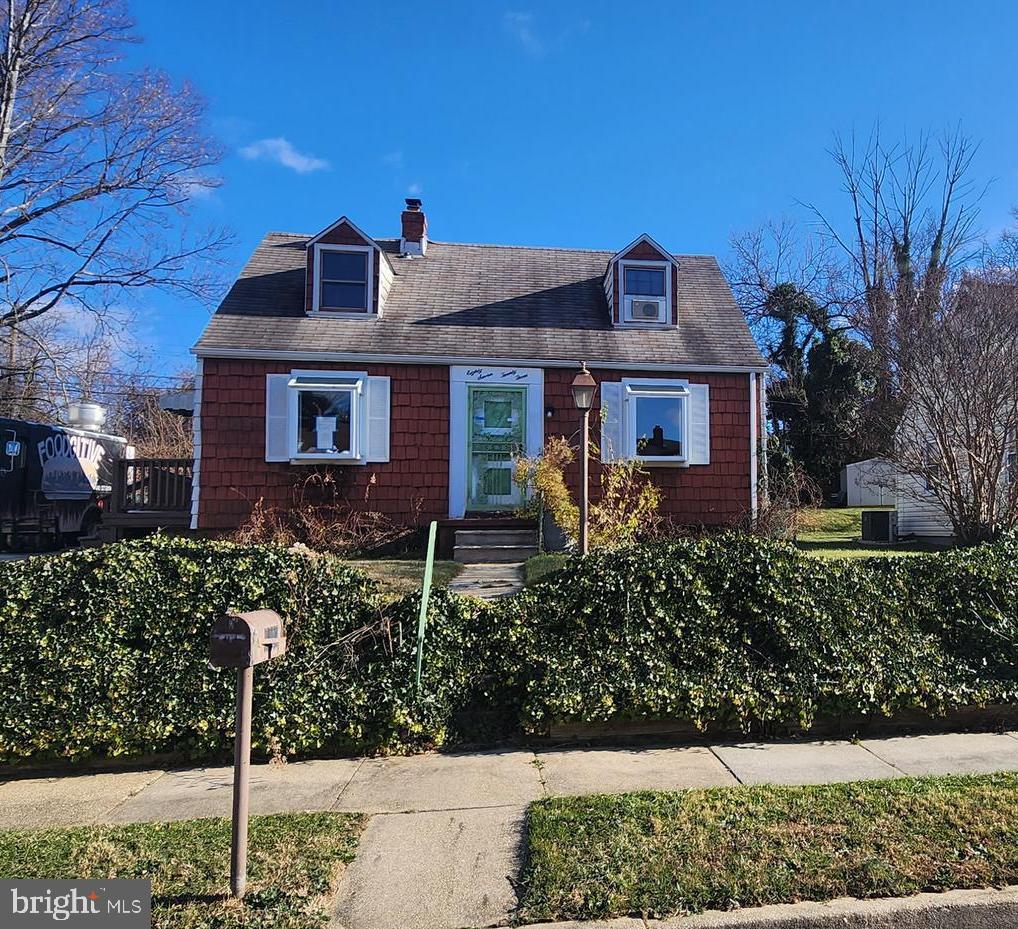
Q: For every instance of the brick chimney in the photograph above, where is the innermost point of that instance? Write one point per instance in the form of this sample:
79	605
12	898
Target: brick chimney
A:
414	240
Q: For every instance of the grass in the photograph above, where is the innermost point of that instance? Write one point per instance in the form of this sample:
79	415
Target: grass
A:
662	854
402	576
837	533
538	566
828	533
294	864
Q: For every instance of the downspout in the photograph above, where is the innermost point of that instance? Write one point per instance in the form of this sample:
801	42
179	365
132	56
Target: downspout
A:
765	490
753	414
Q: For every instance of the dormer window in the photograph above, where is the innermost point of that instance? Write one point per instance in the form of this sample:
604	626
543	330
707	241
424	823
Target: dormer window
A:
344	279
646	293
639	283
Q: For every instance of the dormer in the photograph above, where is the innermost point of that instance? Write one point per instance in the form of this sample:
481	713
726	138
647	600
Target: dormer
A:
348	275
640	284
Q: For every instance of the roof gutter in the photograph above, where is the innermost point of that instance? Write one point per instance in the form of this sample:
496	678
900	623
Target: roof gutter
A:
379	358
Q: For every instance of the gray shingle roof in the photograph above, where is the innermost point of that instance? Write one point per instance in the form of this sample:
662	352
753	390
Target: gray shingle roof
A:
481	301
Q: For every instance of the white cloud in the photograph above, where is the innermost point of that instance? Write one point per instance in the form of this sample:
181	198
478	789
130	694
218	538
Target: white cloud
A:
282	152
414	189
198	186
521	27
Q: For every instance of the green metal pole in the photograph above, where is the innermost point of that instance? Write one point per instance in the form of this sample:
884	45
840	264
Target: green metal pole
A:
429	567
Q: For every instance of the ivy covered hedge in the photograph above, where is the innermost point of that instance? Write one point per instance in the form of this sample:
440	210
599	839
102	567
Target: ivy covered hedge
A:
734	630
104	651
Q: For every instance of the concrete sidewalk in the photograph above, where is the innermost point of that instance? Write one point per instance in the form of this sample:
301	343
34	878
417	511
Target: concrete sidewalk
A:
444	847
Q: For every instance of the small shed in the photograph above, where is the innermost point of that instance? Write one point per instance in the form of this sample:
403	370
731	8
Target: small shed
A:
869	483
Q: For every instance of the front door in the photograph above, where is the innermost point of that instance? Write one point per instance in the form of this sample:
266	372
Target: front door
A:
496	437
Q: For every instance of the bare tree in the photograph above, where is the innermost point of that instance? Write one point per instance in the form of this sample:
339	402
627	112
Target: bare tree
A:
98	165
913	207
136	413
780	253
956	444
58	358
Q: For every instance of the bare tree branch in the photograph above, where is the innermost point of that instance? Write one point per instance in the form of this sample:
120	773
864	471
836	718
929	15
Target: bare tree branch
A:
97	165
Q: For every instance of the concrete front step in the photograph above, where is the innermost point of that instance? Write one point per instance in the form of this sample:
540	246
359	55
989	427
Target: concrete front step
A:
496	537
493	554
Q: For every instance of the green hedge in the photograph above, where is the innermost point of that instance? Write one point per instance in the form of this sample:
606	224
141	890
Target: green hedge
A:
734	630
104	651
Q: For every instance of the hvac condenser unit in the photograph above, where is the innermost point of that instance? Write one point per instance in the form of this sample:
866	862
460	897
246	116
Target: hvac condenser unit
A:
880	526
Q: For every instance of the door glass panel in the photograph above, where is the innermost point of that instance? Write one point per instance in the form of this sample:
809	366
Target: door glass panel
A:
497	438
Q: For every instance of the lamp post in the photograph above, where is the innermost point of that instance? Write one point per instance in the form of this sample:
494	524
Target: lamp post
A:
583	388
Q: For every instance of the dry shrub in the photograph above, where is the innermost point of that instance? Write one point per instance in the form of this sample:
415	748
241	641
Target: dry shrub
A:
626	512
322	518
543	483
789	505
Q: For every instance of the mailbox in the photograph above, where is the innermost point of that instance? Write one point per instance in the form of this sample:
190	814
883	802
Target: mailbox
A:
241	640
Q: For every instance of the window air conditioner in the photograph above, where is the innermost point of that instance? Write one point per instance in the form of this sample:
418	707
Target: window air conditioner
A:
644	311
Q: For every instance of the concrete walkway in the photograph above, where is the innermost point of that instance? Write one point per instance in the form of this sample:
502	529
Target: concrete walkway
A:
443	848
489	581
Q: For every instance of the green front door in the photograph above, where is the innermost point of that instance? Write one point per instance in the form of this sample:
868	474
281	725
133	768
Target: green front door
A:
497	436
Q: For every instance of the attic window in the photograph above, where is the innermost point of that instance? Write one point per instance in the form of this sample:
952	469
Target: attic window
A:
344	279
645	282
646	293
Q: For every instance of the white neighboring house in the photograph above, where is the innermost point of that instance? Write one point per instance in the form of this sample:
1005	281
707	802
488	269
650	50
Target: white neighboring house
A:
869	483
919	512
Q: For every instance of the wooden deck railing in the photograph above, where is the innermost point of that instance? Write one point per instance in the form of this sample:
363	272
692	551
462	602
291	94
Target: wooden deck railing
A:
145	485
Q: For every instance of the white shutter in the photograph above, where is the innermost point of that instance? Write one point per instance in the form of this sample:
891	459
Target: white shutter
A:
612	447
277	417
699	424
377	440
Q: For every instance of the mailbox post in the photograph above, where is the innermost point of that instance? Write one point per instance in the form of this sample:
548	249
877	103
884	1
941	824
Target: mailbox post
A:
241	641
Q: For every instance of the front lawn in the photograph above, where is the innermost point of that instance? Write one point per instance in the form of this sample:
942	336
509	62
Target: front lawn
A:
837	533
403	576
294	865
539	566
661	854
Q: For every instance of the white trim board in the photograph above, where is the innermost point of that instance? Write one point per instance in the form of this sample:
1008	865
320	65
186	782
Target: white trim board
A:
349	222
196	441
470	360
460	377
639	240
753	444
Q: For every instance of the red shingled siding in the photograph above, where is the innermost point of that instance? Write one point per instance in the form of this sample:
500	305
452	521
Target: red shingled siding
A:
341	235
234	473
701	494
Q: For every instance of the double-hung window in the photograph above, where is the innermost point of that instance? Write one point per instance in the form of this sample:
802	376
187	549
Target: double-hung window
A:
657	421
325	416
344	279
646	293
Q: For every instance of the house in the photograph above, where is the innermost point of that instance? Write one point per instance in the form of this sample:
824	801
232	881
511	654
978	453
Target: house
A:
868	483
920	515
416	370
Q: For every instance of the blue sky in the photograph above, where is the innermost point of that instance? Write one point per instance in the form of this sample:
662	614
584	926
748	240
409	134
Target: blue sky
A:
569	123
